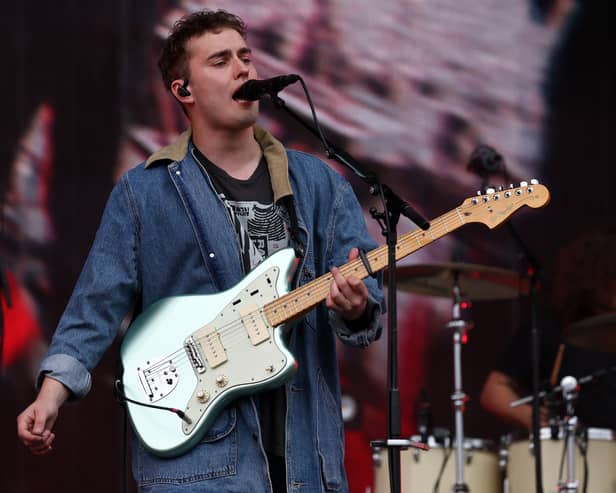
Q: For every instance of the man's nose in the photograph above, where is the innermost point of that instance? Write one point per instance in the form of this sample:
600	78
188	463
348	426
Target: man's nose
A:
241	67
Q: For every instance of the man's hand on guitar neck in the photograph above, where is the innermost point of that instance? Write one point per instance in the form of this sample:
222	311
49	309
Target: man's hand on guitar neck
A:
35	423
347	296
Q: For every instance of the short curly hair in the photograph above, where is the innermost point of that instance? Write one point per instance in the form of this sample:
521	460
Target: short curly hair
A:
173	60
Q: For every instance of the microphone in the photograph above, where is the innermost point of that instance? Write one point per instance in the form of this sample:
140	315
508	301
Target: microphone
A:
485	161
255	89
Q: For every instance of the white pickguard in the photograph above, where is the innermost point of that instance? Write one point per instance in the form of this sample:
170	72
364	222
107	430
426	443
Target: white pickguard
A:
233	351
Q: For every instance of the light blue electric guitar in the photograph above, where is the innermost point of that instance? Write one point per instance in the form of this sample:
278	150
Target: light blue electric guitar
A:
194	354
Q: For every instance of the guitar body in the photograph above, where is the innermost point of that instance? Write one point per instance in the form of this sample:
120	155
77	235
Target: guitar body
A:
197	353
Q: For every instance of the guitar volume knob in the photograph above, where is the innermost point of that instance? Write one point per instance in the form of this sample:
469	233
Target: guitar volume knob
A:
203	396
222	381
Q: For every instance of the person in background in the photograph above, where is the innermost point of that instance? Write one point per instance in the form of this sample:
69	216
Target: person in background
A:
583	288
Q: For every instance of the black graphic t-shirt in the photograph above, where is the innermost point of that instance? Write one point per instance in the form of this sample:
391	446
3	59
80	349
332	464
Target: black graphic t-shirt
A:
261	232
250	204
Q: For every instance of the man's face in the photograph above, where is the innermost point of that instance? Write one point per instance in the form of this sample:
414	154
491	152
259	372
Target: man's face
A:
219	63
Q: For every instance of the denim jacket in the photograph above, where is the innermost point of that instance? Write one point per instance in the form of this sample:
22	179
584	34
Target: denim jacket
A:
165	232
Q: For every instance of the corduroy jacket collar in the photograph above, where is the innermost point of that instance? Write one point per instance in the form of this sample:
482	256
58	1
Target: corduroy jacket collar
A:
273	150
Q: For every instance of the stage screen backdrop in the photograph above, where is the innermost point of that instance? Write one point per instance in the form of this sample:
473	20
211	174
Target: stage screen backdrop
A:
409	88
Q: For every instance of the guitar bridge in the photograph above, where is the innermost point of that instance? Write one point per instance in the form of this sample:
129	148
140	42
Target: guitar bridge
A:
194	355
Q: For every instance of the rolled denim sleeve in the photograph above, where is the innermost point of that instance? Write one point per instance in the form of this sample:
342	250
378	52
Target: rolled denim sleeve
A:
67	370
347	229
363	336
103	295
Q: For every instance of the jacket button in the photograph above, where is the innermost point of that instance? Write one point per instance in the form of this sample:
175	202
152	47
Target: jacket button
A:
212	254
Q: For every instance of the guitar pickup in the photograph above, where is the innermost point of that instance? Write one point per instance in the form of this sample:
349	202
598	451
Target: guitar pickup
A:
209	342
255	326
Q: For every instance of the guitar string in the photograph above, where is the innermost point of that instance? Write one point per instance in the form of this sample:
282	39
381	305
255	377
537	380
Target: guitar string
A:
228	333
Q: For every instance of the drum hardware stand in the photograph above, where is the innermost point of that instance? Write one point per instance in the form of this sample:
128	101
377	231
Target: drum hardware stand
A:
570	392
459	398
503	459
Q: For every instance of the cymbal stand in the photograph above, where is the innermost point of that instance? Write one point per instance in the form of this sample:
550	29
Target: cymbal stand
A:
570	392
458	397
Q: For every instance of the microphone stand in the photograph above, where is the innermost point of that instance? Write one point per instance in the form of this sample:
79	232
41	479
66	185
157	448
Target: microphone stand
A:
535	350
484	162
393	207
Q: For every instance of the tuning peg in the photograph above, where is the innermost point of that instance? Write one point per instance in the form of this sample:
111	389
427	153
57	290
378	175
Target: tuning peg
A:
534	181
523	184
500	188
490	191
478	192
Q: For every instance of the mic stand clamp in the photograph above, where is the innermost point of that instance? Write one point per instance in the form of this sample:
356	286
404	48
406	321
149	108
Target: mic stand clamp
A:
401	443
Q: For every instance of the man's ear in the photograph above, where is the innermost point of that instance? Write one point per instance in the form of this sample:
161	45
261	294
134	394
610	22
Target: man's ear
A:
179	88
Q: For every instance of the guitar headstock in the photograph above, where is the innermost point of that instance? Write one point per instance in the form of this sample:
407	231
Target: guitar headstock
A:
497	205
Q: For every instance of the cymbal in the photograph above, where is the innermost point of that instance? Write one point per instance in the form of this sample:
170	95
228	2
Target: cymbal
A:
476	282
596	333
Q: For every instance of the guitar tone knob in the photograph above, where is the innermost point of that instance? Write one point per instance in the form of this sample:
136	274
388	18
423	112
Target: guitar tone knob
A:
203	396
222	381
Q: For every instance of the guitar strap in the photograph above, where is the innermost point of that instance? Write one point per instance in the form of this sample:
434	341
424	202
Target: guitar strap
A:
294	230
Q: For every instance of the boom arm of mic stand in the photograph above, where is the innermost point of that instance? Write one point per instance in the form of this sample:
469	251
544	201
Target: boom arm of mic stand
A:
347	160
558	389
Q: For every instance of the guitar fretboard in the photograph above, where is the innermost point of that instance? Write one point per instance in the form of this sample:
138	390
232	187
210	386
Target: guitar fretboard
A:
309	295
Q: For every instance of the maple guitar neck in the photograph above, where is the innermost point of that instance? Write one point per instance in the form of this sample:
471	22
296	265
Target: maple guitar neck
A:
491	209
